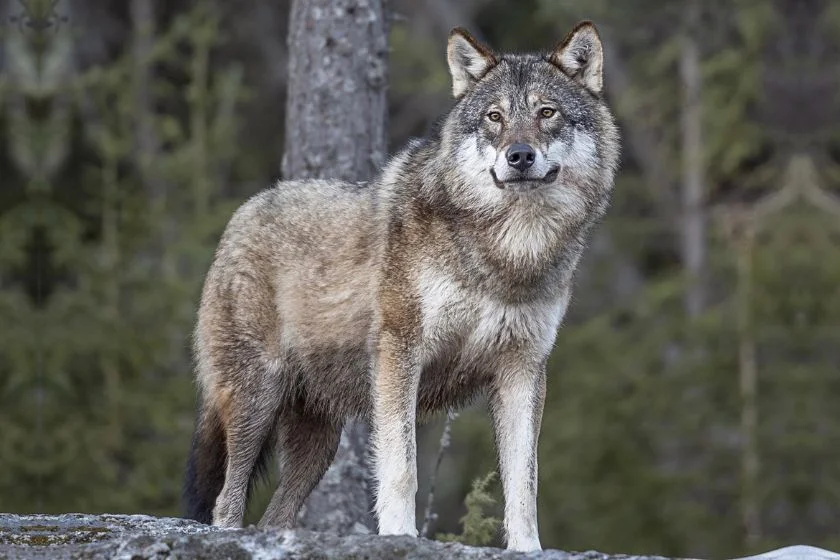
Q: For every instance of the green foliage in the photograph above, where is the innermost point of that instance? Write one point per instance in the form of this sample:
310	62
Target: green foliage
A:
103	249
101	355
479	528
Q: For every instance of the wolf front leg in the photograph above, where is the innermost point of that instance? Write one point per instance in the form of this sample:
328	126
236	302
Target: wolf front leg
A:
517	406
395	376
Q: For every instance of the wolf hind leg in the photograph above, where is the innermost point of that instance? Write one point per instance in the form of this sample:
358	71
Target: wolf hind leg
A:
306	446
252	412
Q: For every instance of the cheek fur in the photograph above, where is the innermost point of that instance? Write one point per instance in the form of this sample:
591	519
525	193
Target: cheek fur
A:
574	151
475	158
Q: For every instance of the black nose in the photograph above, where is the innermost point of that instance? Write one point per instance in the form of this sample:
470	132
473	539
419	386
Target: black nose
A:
520	156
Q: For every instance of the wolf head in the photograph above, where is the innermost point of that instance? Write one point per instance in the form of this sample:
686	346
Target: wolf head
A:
530	125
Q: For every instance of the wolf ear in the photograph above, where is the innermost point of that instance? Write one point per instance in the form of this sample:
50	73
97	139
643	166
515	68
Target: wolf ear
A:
581	56
468	60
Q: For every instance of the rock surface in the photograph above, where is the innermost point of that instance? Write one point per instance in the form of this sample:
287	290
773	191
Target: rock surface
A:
139	537
135	537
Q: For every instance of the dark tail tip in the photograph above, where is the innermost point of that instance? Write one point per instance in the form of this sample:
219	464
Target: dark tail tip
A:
205	468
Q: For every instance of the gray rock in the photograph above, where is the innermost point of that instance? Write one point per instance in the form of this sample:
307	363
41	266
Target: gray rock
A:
799	552
137	537
140	537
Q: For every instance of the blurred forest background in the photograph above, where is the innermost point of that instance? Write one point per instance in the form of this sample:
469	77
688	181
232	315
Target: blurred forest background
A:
693	398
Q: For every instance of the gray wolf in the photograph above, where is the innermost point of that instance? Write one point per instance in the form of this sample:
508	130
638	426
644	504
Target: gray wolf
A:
444	278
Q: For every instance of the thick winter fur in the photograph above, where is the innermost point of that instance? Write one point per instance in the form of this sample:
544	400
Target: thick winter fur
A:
446	277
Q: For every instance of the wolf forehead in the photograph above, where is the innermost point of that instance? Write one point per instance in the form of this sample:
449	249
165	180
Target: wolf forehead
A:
518	77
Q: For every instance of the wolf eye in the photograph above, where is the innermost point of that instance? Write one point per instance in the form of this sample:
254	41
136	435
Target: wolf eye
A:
494	116
547	112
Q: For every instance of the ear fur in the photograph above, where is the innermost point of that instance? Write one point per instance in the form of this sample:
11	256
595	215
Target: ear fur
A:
468	61
581	56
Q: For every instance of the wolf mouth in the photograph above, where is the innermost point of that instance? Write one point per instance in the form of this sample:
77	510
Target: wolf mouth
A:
520	182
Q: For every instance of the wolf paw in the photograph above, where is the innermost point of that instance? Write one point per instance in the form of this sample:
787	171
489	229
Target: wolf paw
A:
524	545
397	529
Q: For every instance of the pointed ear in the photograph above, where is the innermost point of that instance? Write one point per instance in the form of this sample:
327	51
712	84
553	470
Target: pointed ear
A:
581	56
468	60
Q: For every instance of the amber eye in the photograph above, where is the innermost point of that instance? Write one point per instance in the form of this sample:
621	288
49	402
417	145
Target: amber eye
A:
494	116
547	112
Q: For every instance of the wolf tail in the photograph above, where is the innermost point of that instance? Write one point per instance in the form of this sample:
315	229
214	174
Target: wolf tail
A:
205	466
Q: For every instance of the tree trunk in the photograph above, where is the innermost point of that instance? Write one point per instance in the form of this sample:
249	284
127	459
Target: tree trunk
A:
693	172
336	106
748	383
146	144
335	128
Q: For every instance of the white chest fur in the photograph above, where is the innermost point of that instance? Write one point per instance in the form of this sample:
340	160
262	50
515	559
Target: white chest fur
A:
479	323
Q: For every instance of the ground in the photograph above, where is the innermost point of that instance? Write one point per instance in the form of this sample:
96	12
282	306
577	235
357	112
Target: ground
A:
140	537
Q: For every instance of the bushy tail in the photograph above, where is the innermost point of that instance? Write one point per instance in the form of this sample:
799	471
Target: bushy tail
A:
205	467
